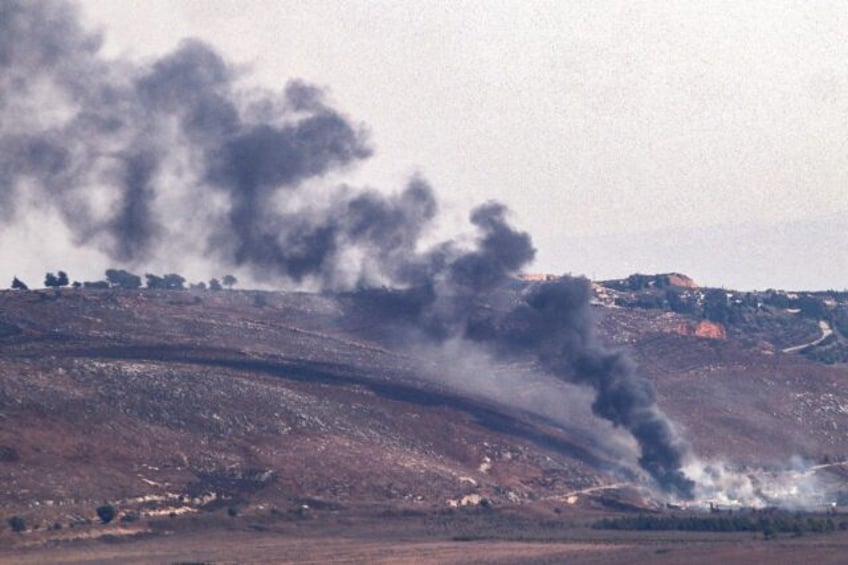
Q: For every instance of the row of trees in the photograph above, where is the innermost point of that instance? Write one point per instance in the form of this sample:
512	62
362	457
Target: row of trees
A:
106	513
769	525
121	279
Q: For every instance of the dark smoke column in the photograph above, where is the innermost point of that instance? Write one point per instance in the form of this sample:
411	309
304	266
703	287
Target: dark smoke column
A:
554	322
190	163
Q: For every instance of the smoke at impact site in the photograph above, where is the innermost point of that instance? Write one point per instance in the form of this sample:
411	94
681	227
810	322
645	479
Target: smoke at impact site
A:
173	156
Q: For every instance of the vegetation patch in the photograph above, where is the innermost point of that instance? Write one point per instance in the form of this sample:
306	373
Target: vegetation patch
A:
769	525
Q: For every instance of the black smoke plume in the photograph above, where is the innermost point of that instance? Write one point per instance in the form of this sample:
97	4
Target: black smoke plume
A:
174	157
130	155
554	323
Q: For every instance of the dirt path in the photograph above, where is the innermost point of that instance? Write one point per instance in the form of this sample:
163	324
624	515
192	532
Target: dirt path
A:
572	497
826	333
827	465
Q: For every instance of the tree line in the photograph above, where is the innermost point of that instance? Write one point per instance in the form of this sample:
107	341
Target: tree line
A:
124	280
769	525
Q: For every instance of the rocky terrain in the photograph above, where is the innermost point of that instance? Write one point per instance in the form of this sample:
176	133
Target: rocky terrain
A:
177	406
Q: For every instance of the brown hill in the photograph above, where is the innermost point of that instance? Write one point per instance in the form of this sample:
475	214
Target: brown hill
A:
160	401
738	401
170	402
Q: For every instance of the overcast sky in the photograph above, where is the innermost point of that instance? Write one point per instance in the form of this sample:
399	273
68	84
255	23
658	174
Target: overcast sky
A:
703	137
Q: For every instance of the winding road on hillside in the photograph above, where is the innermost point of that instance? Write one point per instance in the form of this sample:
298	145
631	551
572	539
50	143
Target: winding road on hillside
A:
826	332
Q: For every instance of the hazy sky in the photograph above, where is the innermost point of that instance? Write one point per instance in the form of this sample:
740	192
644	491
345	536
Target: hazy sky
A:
704	137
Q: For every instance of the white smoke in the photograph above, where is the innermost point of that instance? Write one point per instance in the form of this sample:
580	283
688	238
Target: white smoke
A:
468	368
799	485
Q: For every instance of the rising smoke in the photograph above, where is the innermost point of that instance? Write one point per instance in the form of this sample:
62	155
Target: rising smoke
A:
554	322
142	160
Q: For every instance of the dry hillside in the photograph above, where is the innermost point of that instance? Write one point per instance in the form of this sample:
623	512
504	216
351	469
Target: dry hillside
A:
193	402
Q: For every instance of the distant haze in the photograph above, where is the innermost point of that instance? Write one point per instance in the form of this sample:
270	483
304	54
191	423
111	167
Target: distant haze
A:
707	138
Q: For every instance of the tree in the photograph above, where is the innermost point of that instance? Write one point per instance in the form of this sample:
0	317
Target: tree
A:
638	281
106	513
174	282
118	278
214	284
60	279
171	281
812	307
154	282
716	306
229	281
18	284
681	301
17	524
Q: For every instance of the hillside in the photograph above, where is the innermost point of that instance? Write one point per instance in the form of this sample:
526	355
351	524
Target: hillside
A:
118	396
193	402
770	319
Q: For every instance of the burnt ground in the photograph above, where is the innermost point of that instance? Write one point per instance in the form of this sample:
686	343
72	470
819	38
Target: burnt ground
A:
303	413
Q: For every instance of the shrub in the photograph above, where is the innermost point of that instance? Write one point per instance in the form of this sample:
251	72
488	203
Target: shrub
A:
17	524
106	513
170	281
174	281
118	278
56	280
